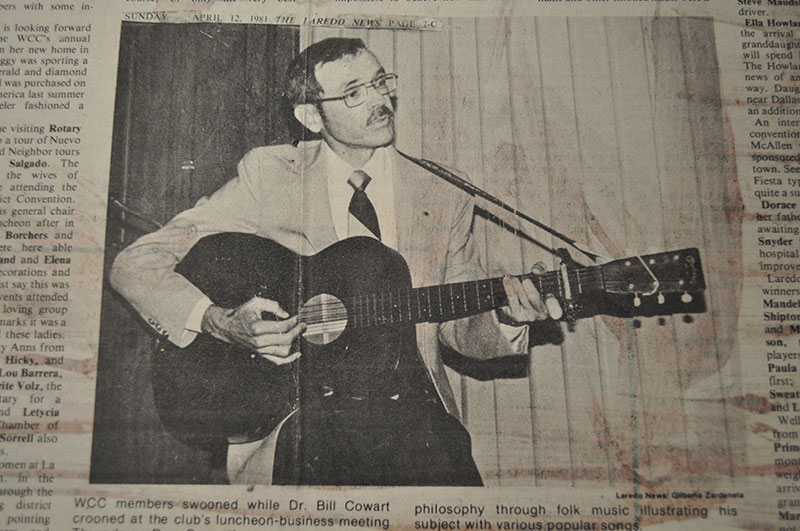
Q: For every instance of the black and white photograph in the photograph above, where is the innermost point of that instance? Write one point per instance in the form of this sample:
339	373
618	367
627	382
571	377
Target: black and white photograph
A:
499	252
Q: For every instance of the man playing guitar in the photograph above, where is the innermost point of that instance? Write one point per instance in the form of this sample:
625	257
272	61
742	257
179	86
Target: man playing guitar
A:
384	416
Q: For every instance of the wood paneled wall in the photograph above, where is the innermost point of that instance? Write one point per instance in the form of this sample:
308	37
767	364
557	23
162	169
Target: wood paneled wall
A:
612	131
192	99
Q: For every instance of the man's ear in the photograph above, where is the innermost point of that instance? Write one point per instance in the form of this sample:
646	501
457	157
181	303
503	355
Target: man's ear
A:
308	115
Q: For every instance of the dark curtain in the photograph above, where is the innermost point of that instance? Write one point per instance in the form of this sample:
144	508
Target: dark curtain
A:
191	100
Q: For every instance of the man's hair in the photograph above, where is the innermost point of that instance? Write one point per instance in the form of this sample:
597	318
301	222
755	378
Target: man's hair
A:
301	83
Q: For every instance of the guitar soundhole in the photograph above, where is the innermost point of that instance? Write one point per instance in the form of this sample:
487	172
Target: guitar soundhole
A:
325	317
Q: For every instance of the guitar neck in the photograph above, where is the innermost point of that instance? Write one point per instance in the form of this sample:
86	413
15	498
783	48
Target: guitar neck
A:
446	302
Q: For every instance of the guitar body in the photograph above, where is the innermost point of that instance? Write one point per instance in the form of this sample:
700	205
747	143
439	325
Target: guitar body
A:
211	391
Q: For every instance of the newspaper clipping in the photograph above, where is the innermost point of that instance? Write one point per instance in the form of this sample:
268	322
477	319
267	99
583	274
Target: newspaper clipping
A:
399	264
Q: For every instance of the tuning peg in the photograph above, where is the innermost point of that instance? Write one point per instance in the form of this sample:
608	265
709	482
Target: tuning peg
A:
660	298
686	298
637	301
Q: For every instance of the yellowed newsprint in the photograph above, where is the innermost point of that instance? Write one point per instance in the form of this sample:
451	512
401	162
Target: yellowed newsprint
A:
399	264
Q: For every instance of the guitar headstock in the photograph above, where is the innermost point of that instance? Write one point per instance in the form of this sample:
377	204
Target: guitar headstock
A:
670	272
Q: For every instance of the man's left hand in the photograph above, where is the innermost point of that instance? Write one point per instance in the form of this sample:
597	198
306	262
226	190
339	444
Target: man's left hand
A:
525	304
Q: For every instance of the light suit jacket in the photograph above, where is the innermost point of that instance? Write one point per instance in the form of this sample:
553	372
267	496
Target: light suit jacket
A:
281	193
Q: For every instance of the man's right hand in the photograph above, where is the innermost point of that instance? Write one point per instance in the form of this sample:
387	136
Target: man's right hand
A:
245	327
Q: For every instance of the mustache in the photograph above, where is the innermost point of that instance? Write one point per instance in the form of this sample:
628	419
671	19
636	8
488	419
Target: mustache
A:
378	113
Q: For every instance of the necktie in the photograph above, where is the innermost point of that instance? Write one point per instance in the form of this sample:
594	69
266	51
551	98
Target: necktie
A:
360	206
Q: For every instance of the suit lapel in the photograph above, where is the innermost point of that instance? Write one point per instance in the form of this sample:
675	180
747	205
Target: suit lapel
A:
422	226
404	201
423	235
409	203
317	218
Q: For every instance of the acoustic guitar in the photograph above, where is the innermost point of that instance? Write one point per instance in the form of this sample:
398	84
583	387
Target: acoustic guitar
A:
355	297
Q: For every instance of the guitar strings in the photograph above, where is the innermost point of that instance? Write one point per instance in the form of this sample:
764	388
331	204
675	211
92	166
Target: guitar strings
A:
374	308
401	296
496	287
400	303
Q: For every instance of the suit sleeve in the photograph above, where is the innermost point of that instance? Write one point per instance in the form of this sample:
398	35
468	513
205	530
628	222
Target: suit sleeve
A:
144	273
481	336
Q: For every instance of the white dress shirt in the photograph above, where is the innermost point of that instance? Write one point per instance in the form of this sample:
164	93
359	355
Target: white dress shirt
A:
380	192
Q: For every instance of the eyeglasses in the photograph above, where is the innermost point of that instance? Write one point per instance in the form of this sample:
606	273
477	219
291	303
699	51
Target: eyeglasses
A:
355	96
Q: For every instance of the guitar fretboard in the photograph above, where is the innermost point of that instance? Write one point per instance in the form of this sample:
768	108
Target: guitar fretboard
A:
446	302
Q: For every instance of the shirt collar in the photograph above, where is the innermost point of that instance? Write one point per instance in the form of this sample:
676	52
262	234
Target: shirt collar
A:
380	191
339	170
